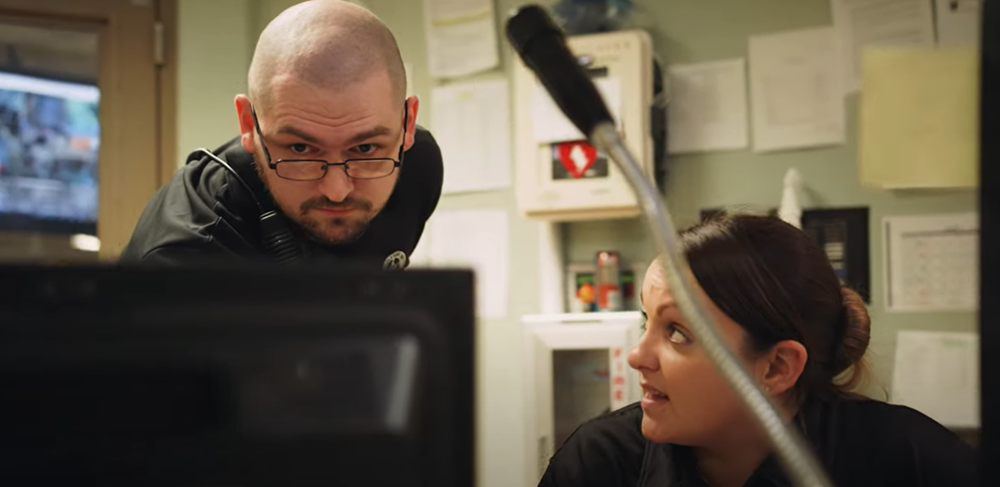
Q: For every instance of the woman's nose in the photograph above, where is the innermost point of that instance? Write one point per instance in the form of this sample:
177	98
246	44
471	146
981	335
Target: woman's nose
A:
641	357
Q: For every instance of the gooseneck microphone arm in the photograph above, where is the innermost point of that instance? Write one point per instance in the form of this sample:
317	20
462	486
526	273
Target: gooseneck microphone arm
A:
542	47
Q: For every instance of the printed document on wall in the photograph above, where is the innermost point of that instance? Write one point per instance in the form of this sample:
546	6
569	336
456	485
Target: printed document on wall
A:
795	94
708	107
471	239
937	374
932	262
471	123
958	22
461	37
918	121
866	23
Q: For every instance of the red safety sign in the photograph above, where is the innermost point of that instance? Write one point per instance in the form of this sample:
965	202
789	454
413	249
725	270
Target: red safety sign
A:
577	157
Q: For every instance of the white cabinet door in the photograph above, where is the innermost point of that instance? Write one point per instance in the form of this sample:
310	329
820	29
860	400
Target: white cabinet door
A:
576	369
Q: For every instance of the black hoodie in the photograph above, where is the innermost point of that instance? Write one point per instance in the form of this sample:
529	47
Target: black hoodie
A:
860	443
206	215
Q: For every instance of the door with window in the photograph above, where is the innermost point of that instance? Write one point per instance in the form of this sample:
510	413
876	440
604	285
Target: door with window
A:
86	124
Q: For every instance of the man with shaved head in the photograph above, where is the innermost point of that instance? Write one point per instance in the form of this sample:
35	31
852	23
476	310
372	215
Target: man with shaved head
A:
318	170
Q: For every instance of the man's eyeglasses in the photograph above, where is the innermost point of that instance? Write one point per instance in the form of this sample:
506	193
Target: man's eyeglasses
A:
315	169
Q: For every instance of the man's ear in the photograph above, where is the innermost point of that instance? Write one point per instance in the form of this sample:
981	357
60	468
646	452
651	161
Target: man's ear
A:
412	107
784	364
245	116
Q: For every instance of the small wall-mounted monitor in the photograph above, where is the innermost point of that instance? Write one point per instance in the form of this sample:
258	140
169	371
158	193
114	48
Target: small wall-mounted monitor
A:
49	141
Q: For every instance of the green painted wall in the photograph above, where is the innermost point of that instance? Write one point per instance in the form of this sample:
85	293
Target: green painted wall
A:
688	31
213	70
684	31
213	57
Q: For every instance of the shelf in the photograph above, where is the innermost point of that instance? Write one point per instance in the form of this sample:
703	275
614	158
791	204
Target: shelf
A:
595	317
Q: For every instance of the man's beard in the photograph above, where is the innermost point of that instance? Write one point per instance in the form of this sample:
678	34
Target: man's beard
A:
355	226
313	228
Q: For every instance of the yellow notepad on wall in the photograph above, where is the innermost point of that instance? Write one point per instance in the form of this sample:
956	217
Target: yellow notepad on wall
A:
918	122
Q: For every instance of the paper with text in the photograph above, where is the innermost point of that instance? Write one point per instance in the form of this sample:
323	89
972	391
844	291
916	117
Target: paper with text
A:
476	239
795	92
708	107
461	37
471	123
933	262
866	23
937	373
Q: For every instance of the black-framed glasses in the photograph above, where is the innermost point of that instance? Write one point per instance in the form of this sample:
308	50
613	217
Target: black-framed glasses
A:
315	169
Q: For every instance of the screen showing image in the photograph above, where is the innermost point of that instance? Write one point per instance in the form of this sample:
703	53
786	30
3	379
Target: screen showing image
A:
49	141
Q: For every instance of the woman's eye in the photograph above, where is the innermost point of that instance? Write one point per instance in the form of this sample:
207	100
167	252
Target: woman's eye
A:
299	148
675	335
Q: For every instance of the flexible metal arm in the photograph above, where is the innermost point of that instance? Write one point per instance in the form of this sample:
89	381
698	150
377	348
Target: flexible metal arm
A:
794	454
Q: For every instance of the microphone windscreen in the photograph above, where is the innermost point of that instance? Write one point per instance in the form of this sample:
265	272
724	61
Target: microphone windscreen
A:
542	46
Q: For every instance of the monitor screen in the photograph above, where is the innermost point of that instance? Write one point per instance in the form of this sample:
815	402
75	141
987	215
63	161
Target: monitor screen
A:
49	140
203	377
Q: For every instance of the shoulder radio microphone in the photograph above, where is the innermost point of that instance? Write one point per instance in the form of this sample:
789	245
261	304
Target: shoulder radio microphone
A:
276	234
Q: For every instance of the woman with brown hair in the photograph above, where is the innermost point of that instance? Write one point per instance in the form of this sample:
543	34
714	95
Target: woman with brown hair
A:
802	336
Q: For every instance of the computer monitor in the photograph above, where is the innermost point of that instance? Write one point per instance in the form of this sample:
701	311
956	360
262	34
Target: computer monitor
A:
49	142
235	377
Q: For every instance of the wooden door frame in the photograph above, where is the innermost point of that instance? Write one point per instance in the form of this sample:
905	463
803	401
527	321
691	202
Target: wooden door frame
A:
166	14
127	178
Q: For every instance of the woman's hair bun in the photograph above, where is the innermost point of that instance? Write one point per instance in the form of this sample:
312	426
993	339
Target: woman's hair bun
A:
857	331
